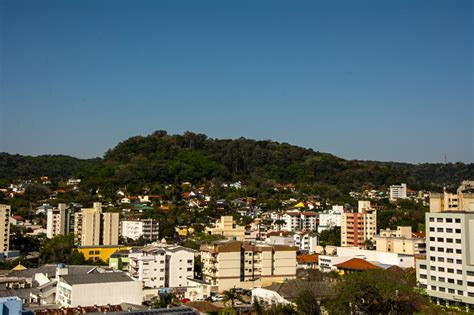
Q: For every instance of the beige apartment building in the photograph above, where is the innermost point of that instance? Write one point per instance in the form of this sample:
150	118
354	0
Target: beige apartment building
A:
358	227
227	227
228	264
57	221
93	228
5	213
400	241
462	200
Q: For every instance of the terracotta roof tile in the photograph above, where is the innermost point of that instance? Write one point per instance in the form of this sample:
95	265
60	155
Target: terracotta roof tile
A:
357	264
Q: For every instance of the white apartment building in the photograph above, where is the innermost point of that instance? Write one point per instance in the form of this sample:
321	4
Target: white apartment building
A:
306	241
401	241
330	218
447	273
297	221
228	264
398	192
57	221
5	213
383	259
134	229
162	266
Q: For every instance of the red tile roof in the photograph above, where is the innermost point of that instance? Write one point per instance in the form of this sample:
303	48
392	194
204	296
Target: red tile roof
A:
314	258
357	264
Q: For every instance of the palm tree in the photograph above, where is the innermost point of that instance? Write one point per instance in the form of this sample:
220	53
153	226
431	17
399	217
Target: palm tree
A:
232	295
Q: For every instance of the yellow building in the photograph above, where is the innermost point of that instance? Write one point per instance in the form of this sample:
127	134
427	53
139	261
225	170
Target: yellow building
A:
103	253
227	227
462	200
184	230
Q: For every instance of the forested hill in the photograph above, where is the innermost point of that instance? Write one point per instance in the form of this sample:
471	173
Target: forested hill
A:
164	158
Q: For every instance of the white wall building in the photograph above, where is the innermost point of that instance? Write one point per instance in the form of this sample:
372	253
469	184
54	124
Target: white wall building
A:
447	273
134	229
306	241
330	218
398	192
161	266
297	221
328	262
97	289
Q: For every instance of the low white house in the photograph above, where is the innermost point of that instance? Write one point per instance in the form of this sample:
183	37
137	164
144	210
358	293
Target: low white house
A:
383	259
98	289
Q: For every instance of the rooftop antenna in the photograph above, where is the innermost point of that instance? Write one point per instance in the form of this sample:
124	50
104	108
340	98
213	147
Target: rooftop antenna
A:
445	158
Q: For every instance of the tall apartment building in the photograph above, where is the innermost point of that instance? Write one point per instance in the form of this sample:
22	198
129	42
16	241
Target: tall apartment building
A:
401	241
5	213
227	227
92	227
228	264
134	229
398	192
162	266
447	273
57	221
462	200
358	227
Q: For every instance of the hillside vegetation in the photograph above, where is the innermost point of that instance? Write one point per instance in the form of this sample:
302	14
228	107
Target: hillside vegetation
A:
168	159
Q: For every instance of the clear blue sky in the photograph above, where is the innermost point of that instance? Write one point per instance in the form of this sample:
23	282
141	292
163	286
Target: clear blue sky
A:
378	80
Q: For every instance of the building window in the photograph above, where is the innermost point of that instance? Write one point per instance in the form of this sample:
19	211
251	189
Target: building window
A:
422	266
459	272
451	291
441	269
458	241
441	259
458	220
433	287
458	231
459	261
439	219
449	240
432	239
450	280
433	268
458	251
441	279
439	229
450	270
449	230
432	248
440	249
459	282
470	273
449	220
449	250
423	276
432	229
441	289
433	278
470	284
460	292
440	239
450	260
431	219
432	258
